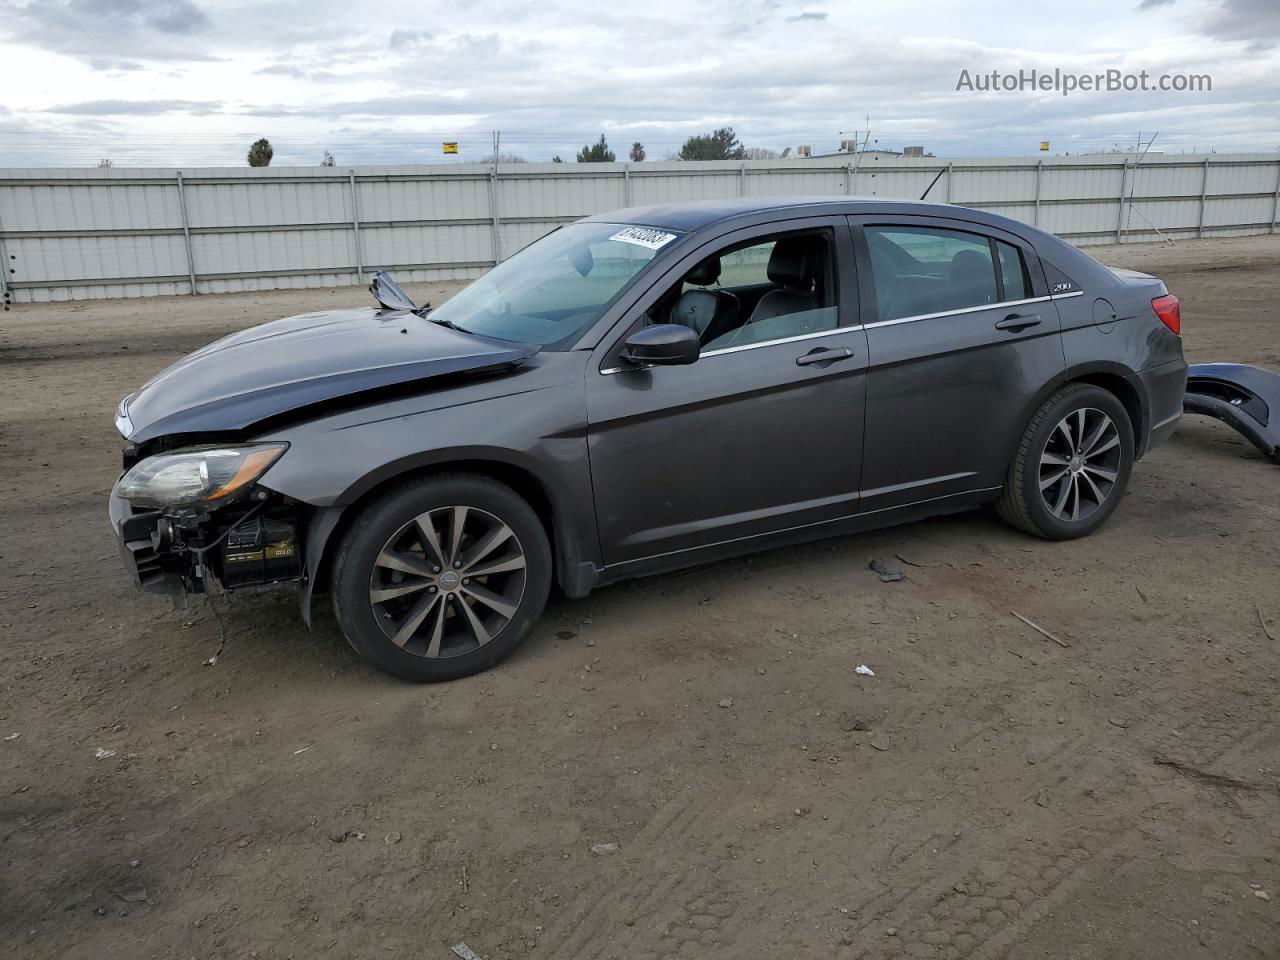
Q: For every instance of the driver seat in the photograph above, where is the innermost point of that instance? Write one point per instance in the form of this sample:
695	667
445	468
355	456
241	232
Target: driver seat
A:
709	313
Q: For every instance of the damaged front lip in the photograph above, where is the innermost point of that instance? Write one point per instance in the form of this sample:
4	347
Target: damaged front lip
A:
1243	397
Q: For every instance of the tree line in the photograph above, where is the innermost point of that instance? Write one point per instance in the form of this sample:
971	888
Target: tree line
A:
721	144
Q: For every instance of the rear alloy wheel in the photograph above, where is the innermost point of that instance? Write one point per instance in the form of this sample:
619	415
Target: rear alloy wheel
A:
442	579
1072	465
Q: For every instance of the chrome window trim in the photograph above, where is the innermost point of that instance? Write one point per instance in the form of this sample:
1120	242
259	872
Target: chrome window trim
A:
609	371
952	313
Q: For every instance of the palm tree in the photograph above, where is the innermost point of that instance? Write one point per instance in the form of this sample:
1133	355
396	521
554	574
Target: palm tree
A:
637	152
260	153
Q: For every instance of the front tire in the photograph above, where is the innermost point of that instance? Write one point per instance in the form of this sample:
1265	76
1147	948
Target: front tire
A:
1072	465
441	578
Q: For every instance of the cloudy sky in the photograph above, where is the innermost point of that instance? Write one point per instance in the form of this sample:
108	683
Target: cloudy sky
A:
187	82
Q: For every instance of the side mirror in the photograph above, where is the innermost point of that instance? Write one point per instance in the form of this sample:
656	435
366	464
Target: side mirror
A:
662	345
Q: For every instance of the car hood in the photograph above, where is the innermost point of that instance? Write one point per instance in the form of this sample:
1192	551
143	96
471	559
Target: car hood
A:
280	367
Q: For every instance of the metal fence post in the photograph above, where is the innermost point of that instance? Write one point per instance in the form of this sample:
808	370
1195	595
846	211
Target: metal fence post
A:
1124	180
950	174
1204	197
496	226
742	180
5	297
1275	202
626	185
186	234
355	226
1035	217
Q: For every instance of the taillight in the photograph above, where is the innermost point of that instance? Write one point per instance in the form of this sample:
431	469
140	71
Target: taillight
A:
1169	310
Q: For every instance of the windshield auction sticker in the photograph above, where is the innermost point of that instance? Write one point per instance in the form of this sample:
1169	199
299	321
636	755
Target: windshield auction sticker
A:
644	237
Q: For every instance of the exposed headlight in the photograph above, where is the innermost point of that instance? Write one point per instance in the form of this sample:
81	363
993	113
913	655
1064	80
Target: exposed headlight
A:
197	476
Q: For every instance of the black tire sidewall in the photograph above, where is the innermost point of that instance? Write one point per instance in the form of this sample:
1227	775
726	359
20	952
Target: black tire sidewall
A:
353	566
1083	396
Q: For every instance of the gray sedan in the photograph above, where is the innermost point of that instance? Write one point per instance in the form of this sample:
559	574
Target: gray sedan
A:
644	390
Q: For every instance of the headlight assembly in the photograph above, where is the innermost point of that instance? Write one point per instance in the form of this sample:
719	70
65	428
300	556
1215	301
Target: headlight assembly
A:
206	477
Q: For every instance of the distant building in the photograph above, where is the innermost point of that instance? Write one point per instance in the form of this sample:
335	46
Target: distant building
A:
865	156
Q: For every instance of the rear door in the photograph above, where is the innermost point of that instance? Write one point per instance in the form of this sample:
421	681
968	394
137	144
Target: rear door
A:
961	335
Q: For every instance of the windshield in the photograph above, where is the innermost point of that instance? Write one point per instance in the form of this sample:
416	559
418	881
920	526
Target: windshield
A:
556	286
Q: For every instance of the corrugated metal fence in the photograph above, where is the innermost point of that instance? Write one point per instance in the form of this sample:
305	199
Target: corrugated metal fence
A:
79	234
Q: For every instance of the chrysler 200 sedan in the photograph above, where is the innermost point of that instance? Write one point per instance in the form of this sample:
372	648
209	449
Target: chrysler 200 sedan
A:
638	391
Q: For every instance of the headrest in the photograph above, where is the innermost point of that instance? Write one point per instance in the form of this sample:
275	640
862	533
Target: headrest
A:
971	265
794	261
695	309
704	274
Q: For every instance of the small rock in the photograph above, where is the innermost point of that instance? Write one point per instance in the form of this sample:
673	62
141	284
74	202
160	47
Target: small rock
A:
591	641
891	932
851	724
135	863
1255	886
726	702
103	754
565	635
243	842
133	894
391	838
878	744
493	746
1261	894
602	849
1122	722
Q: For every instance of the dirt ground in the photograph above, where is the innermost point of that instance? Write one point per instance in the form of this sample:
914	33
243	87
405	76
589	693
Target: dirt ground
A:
986	794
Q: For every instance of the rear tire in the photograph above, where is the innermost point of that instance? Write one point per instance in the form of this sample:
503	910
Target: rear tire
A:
1072	465
441	578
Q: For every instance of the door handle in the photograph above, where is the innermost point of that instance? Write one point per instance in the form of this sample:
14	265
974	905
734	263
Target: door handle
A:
1016	322
824	357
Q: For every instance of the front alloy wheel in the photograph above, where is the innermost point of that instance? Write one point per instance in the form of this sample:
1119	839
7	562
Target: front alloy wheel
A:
441	578
448	581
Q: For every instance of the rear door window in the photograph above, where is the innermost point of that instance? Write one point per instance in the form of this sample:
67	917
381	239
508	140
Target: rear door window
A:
919	271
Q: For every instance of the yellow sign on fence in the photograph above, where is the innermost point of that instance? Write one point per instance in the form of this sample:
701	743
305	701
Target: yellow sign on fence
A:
1044	145
450	148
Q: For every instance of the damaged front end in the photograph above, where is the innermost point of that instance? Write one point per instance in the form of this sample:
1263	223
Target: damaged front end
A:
189	516
1243	397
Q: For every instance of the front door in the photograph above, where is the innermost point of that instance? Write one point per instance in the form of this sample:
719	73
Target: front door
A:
763	432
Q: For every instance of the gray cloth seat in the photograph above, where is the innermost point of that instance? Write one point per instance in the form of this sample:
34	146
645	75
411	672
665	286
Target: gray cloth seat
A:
971	280
794	266
709	313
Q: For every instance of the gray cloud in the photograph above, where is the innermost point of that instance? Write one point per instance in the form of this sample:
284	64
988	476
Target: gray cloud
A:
553	75
110	30
1254	21
407	39
1149	4
137	108
296	73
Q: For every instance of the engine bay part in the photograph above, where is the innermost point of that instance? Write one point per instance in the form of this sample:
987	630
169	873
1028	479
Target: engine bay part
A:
260	551
1243	397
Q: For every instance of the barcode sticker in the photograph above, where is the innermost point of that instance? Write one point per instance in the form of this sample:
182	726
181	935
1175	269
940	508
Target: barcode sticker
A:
644	237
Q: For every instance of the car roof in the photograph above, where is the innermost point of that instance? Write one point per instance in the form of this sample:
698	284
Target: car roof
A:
691	215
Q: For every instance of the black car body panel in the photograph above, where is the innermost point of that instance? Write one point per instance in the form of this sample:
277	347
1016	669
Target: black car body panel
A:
1244	397
289	365
636	469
